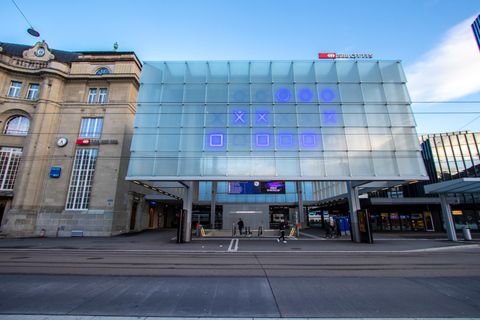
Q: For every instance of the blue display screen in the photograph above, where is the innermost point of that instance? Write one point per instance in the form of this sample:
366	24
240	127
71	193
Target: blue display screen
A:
256	187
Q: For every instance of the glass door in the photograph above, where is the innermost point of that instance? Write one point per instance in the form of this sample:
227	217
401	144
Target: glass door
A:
395	220
405	222
418	223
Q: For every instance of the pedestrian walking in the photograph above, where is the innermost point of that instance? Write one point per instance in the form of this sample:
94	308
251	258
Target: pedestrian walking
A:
282	231
327	230
240	226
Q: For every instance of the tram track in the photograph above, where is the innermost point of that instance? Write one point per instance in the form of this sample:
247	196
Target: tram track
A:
68	262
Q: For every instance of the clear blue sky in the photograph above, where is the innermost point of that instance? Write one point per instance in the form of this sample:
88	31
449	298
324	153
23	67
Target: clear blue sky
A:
433	38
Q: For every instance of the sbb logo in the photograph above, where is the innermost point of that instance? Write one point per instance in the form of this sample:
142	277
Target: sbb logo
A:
327	55
83	141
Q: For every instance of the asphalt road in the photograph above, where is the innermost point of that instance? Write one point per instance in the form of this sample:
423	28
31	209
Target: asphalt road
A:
148	274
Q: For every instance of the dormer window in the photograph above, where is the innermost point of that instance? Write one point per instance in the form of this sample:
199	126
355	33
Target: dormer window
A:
103	71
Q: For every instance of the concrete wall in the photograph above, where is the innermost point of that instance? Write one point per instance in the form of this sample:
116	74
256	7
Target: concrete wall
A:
253	215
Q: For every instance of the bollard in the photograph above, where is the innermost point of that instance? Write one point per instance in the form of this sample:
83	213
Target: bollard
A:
466	233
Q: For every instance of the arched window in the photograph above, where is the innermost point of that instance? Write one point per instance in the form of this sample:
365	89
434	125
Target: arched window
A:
17	126
102	71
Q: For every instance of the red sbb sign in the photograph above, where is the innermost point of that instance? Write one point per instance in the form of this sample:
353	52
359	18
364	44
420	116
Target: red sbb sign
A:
327	55
83	141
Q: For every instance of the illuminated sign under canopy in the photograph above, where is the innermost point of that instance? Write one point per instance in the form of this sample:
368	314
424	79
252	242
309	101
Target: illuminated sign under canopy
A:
274	120
256	187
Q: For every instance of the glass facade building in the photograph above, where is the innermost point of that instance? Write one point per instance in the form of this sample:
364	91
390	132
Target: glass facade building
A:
274	120
476	30
450	156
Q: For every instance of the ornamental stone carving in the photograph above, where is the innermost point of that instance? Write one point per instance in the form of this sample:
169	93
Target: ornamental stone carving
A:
39	52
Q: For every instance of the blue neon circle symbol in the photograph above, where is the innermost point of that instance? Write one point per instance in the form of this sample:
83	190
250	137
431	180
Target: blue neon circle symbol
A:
305	95
261	95
327	95
239	96
283	95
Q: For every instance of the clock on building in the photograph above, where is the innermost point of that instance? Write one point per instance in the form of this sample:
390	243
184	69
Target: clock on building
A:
40	52
61	142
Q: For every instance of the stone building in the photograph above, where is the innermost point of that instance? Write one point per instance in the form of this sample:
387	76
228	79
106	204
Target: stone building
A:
67	124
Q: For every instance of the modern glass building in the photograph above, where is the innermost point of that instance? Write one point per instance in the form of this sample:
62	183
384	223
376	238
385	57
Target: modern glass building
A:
288	123
448	157
476	30
451	156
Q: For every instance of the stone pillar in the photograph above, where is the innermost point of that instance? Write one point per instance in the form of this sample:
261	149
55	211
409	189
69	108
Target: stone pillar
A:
354	205
213	204
187	205
301	212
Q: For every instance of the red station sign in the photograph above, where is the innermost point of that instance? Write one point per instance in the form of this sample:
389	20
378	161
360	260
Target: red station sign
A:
83	141
327	55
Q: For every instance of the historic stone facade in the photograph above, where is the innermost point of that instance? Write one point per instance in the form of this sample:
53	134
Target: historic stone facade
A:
67	124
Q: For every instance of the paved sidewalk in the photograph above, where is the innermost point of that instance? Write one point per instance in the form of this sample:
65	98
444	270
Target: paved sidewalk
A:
47	317
310	240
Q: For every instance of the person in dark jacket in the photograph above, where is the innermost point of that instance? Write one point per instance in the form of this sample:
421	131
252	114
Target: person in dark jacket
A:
240	226
338	229
282	231
327	229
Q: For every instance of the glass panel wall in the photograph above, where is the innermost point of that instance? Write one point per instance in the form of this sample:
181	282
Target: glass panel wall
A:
274	120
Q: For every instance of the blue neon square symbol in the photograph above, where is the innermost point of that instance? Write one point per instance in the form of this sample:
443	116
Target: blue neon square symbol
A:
309	140
216	140
285	140
262	140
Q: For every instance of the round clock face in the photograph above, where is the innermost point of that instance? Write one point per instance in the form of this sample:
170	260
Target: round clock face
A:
61	142
40	52
256	183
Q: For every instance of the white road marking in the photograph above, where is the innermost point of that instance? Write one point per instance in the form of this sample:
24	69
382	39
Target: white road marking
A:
233	245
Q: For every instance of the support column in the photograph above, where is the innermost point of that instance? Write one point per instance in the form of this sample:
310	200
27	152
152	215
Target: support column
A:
447	216
213	204
354	205
301	212
187	205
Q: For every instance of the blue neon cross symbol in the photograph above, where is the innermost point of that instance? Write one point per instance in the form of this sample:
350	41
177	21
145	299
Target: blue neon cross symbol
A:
261	116
239	116
217	117
330	116
284	118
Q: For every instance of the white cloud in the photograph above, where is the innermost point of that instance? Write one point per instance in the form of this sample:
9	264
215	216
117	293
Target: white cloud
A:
449	71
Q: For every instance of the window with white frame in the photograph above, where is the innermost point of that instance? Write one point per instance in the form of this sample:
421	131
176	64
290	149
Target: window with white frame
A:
9	163
92	94
91	128
14	90
17	126
102	97
78	196
32	91
96	95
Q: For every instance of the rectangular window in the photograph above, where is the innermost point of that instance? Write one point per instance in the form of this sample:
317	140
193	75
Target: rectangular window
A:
91	96
81	181
103	96
14	90
91	128
9	163
32	91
